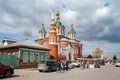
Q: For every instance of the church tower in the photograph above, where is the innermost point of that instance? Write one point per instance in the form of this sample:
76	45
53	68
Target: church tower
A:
52	33
72	33
53	39
42	32
60	29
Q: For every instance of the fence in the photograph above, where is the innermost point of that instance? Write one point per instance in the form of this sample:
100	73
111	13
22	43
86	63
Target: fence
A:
10	60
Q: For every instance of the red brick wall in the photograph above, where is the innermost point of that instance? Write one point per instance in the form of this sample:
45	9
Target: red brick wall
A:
54	51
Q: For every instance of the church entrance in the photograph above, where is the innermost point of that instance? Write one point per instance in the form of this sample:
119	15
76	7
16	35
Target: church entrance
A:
68	52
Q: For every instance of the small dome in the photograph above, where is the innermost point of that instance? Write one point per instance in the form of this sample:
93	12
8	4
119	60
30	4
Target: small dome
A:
64	39
42	30
58	24
72	30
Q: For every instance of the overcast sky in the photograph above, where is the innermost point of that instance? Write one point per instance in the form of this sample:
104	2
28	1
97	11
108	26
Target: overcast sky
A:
96	22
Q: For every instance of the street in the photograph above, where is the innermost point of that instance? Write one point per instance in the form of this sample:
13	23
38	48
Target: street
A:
107	72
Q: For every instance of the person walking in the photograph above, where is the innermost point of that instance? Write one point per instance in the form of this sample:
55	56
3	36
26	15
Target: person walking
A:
58	66
66	65
62	66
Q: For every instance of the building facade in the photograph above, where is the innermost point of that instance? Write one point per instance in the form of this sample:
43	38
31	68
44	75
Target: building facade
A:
62	47
23	53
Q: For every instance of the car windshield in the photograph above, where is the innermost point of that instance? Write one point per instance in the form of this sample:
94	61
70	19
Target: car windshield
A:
42	62
118	61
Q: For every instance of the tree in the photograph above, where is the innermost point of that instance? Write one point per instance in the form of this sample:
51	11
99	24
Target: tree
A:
114	58
96	53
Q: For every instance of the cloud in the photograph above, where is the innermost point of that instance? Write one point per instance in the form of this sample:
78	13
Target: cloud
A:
70	15
102	12
27	34
106	31
92	21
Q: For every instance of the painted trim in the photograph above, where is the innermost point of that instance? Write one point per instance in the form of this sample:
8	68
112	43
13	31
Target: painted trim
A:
33	50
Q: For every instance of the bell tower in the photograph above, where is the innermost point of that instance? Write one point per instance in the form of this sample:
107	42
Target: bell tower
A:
60	29
72	33
52	33
42	31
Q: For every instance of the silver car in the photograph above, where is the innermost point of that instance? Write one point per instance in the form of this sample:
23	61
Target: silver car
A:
117	64
49	65
70	64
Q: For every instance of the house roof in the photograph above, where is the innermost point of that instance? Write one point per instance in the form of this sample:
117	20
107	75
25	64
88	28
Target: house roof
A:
8	39
25	43
89	56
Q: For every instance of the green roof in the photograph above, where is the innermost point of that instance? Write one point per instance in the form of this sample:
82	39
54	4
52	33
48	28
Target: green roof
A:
72	30
58	24
42	30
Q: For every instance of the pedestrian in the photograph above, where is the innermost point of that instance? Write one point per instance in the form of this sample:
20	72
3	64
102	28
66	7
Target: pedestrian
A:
62	66
66	65
80	64
58	66
83	65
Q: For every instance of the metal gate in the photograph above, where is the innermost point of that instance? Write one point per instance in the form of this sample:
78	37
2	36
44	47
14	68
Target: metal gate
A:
10	60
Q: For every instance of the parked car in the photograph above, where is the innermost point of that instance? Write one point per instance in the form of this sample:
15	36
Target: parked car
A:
70	65
117	64
49	65
6	71
76	64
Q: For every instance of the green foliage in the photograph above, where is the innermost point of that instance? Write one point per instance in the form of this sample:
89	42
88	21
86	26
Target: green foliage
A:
96	53
114	58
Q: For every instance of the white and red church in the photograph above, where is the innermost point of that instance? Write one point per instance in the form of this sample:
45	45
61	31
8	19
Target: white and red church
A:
61	46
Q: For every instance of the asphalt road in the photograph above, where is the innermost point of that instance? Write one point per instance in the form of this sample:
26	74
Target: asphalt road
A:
107	72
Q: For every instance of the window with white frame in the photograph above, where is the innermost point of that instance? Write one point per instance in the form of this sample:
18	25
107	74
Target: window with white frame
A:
42	57
25	57
37	57
31	57
46	56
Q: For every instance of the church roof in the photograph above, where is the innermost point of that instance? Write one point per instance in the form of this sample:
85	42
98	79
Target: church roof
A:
42	30
72	30
25	43
73	41
58	24
64	39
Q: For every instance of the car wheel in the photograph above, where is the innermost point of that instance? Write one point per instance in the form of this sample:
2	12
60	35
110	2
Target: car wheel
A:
50	69
73	66
8	74
40	70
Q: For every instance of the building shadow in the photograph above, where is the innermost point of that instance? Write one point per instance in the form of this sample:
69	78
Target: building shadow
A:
2	77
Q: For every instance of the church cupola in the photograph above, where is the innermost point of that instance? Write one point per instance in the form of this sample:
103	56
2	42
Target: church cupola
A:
52	34
60	29
72	33
42	32
52	24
